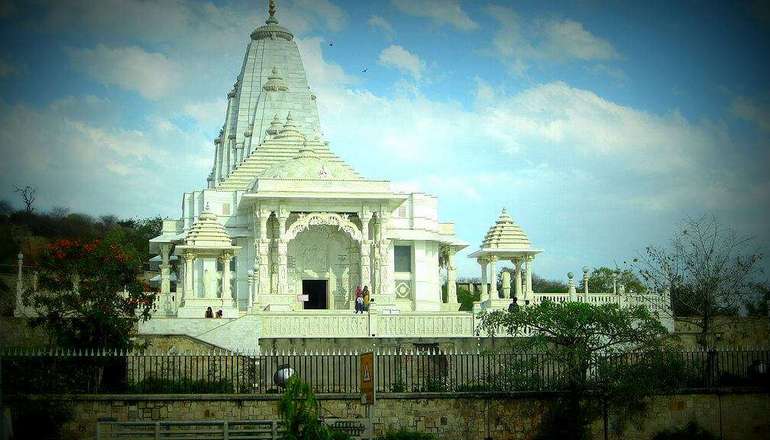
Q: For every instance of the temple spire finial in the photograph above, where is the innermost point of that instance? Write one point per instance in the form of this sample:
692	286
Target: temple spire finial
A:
271	9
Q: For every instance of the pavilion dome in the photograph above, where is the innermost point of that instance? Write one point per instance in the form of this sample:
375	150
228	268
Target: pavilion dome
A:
207	232
308	165
506	234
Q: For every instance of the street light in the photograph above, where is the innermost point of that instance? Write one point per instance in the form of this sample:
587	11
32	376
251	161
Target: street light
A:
282	375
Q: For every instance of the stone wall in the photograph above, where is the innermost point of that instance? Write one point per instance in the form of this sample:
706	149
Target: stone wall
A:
467	417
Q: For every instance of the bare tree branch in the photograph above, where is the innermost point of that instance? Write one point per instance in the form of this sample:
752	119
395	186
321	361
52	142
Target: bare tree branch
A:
28	196
708	269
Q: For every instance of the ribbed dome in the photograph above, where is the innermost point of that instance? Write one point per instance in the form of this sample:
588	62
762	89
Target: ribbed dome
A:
307	165
505	234
206	232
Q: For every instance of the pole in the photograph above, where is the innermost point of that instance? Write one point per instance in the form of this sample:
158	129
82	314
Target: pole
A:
605	417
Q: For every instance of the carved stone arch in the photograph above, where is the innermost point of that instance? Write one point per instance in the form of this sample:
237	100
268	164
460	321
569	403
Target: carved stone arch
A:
304	221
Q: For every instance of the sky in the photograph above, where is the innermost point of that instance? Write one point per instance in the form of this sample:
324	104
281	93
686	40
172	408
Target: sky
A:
600	126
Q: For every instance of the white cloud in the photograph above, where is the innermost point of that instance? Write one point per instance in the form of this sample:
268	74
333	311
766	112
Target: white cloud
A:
151	74
332	17
319	72
98	168
401	59
442	12
575	119
517	43
377	22
208	114
756	112
568	39
570	148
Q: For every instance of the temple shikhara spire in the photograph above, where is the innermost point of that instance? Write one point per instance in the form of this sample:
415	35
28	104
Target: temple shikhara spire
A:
284	232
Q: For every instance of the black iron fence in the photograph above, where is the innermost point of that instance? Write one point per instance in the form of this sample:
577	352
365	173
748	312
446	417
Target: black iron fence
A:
104	372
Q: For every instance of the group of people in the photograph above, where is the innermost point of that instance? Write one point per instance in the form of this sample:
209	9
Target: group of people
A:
210	313
362	299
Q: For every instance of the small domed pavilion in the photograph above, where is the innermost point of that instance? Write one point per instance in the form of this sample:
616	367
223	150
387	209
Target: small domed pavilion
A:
207	274
505	240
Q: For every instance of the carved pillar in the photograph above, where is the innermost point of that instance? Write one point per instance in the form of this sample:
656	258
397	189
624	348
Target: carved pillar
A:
451	278
366	244
227	297
528	294
283	257
252	276
493	278
385	270
484	281
571	291
506	276
517	278
189	284
165	269
261	255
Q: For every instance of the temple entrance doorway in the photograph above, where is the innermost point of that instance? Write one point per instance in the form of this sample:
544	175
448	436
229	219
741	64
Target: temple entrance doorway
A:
316	290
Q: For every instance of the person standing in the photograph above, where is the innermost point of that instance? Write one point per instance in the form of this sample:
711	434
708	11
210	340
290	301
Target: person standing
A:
359	300
367	298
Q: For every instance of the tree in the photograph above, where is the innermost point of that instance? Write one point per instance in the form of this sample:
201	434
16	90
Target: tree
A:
28	195
539	284
602	349
543	285
708	270
757	304
603	279
300	410
5	208
90	295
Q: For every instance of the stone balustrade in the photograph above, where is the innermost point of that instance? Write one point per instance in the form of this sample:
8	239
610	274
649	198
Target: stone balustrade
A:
343	324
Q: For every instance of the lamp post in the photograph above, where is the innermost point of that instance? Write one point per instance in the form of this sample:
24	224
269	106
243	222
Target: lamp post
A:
282	375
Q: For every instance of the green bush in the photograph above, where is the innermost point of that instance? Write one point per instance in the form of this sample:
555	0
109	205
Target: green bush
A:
474	387
300	411
433	385
403	434
691	431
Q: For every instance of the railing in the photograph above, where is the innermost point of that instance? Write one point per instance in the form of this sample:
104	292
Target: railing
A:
338	372
219	429
346	324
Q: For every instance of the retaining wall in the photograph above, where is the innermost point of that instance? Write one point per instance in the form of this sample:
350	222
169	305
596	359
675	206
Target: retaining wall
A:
451	416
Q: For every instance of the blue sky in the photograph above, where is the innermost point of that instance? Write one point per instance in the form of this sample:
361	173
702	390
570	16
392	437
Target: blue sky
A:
600	126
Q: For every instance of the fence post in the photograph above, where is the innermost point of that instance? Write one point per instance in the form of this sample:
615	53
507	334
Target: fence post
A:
157	430
226	431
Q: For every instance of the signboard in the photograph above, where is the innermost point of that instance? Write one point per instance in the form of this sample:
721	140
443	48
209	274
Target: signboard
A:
367	376
303	298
